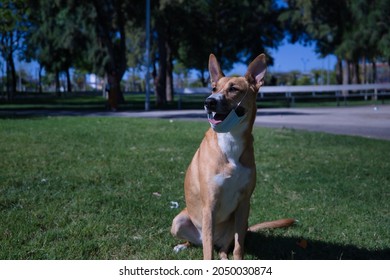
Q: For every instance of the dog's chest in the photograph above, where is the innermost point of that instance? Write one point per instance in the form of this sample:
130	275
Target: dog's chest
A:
234	179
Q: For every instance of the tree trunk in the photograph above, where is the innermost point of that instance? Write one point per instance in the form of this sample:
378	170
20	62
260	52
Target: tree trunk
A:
339	71
374	71
154	76
8	81
68	81
133	83
116	47
357	72
119	93
161	79
364	74
169	68
57	81
355	79
121	55
346	75
40	79
113	90
169	75
203	80
11	77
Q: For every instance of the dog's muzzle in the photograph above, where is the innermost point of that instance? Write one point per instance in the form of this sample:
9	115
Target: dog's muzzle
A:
210	104
222	122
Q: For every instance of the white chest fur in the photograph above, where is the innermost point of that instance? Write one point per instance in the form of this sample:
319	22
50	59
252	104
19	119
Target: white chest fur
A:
232	183
232	146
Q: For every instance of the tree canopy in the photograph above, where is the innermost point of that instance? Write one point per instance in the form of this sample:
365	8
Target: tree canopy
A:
13	27
106	36
354	31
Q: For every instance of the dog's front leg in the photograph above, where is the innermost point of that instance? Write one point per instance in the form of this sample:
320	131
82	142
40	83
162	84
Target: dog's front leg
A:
208	233
241	228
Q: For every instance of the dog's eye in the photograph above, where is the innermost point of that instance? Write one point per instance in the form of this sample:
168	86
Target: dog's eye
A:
214	89
233	88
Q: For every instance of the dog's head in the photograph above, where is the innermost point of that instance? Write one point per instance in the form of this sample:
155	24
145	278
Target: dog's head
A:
233	99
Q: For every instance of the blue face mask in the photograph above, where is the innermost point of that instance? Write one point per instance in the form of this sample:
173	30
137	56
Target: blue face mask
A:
231	120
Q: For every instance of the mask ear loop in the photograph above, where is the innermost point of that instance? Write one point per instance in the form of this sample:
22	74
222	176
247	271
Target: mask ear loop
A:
242	112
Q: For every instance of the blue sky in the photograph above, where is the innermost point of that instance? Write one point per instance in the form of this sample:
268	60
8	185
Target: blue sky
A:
290	57
298	57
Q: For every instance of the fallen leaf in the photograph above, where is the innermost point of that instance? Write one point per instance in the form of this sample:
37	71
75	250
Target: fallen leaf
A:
302	244
174	204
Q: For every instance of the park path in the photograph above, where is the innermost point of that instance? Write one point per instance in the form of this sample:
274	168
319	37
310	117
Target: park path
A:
366	121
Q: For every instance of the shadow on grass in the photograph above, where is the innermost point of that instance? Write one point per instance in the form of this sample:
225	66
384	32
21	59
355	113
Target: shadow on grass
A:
269	248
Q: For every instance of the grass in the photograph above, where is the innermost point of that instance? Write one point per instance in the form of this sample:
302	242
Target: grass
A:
101	188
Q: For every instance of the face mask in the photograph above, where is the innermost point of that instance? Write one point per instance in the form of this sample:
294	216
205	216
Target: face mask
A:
231	120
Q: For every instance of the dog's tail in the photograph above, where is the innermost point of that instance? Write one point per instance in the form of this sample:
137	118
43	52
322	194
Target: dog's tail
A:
272	224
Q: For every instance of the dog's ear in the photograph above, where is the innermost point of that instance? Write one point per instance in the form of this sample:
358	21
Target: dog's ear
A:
256	70
214	69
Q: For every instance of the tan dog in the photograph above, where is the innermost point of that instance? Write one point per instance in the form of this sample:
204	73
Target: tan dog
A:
222	175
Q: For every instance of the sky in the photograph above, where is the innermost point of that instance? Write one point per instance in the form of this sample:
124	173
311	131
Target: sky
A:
298	57
290	57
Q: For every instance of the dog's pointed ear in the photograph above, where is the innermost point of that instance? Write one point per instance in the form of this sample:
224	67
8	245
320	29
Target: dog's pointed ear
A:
256	70
214	69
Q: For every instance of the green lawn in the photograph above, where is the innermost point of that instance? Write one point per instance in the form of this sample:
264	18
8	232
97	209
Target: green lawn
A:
101	188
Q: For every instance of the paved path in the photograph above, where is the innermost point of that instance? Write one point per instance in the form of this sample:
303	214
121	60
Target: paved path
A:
366	121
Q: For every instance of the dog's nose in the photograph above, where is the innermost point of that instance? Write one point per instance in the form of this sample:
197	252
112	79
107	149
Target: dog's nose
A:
210	104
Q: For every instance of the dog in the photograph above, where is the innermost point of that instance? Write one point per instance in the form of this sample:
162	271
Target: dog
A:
222	174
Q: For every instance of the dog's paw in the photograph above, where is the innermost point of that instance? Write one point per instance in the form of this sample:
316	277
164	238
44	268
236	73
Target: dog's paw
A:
180	247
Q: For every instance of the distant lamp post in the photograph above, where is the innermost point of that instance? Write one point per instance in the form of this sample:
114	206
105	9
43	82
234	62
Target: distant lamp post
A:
147	78
304	61
328	71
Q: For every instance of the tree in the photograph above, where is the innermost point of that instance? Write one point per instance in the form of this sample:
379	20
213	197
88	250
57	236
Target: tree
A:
58	36
235	31
112	18
372	31
90	35
135	49
110	29
352	30
166	26
188	31
13	25
382	23
319	21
